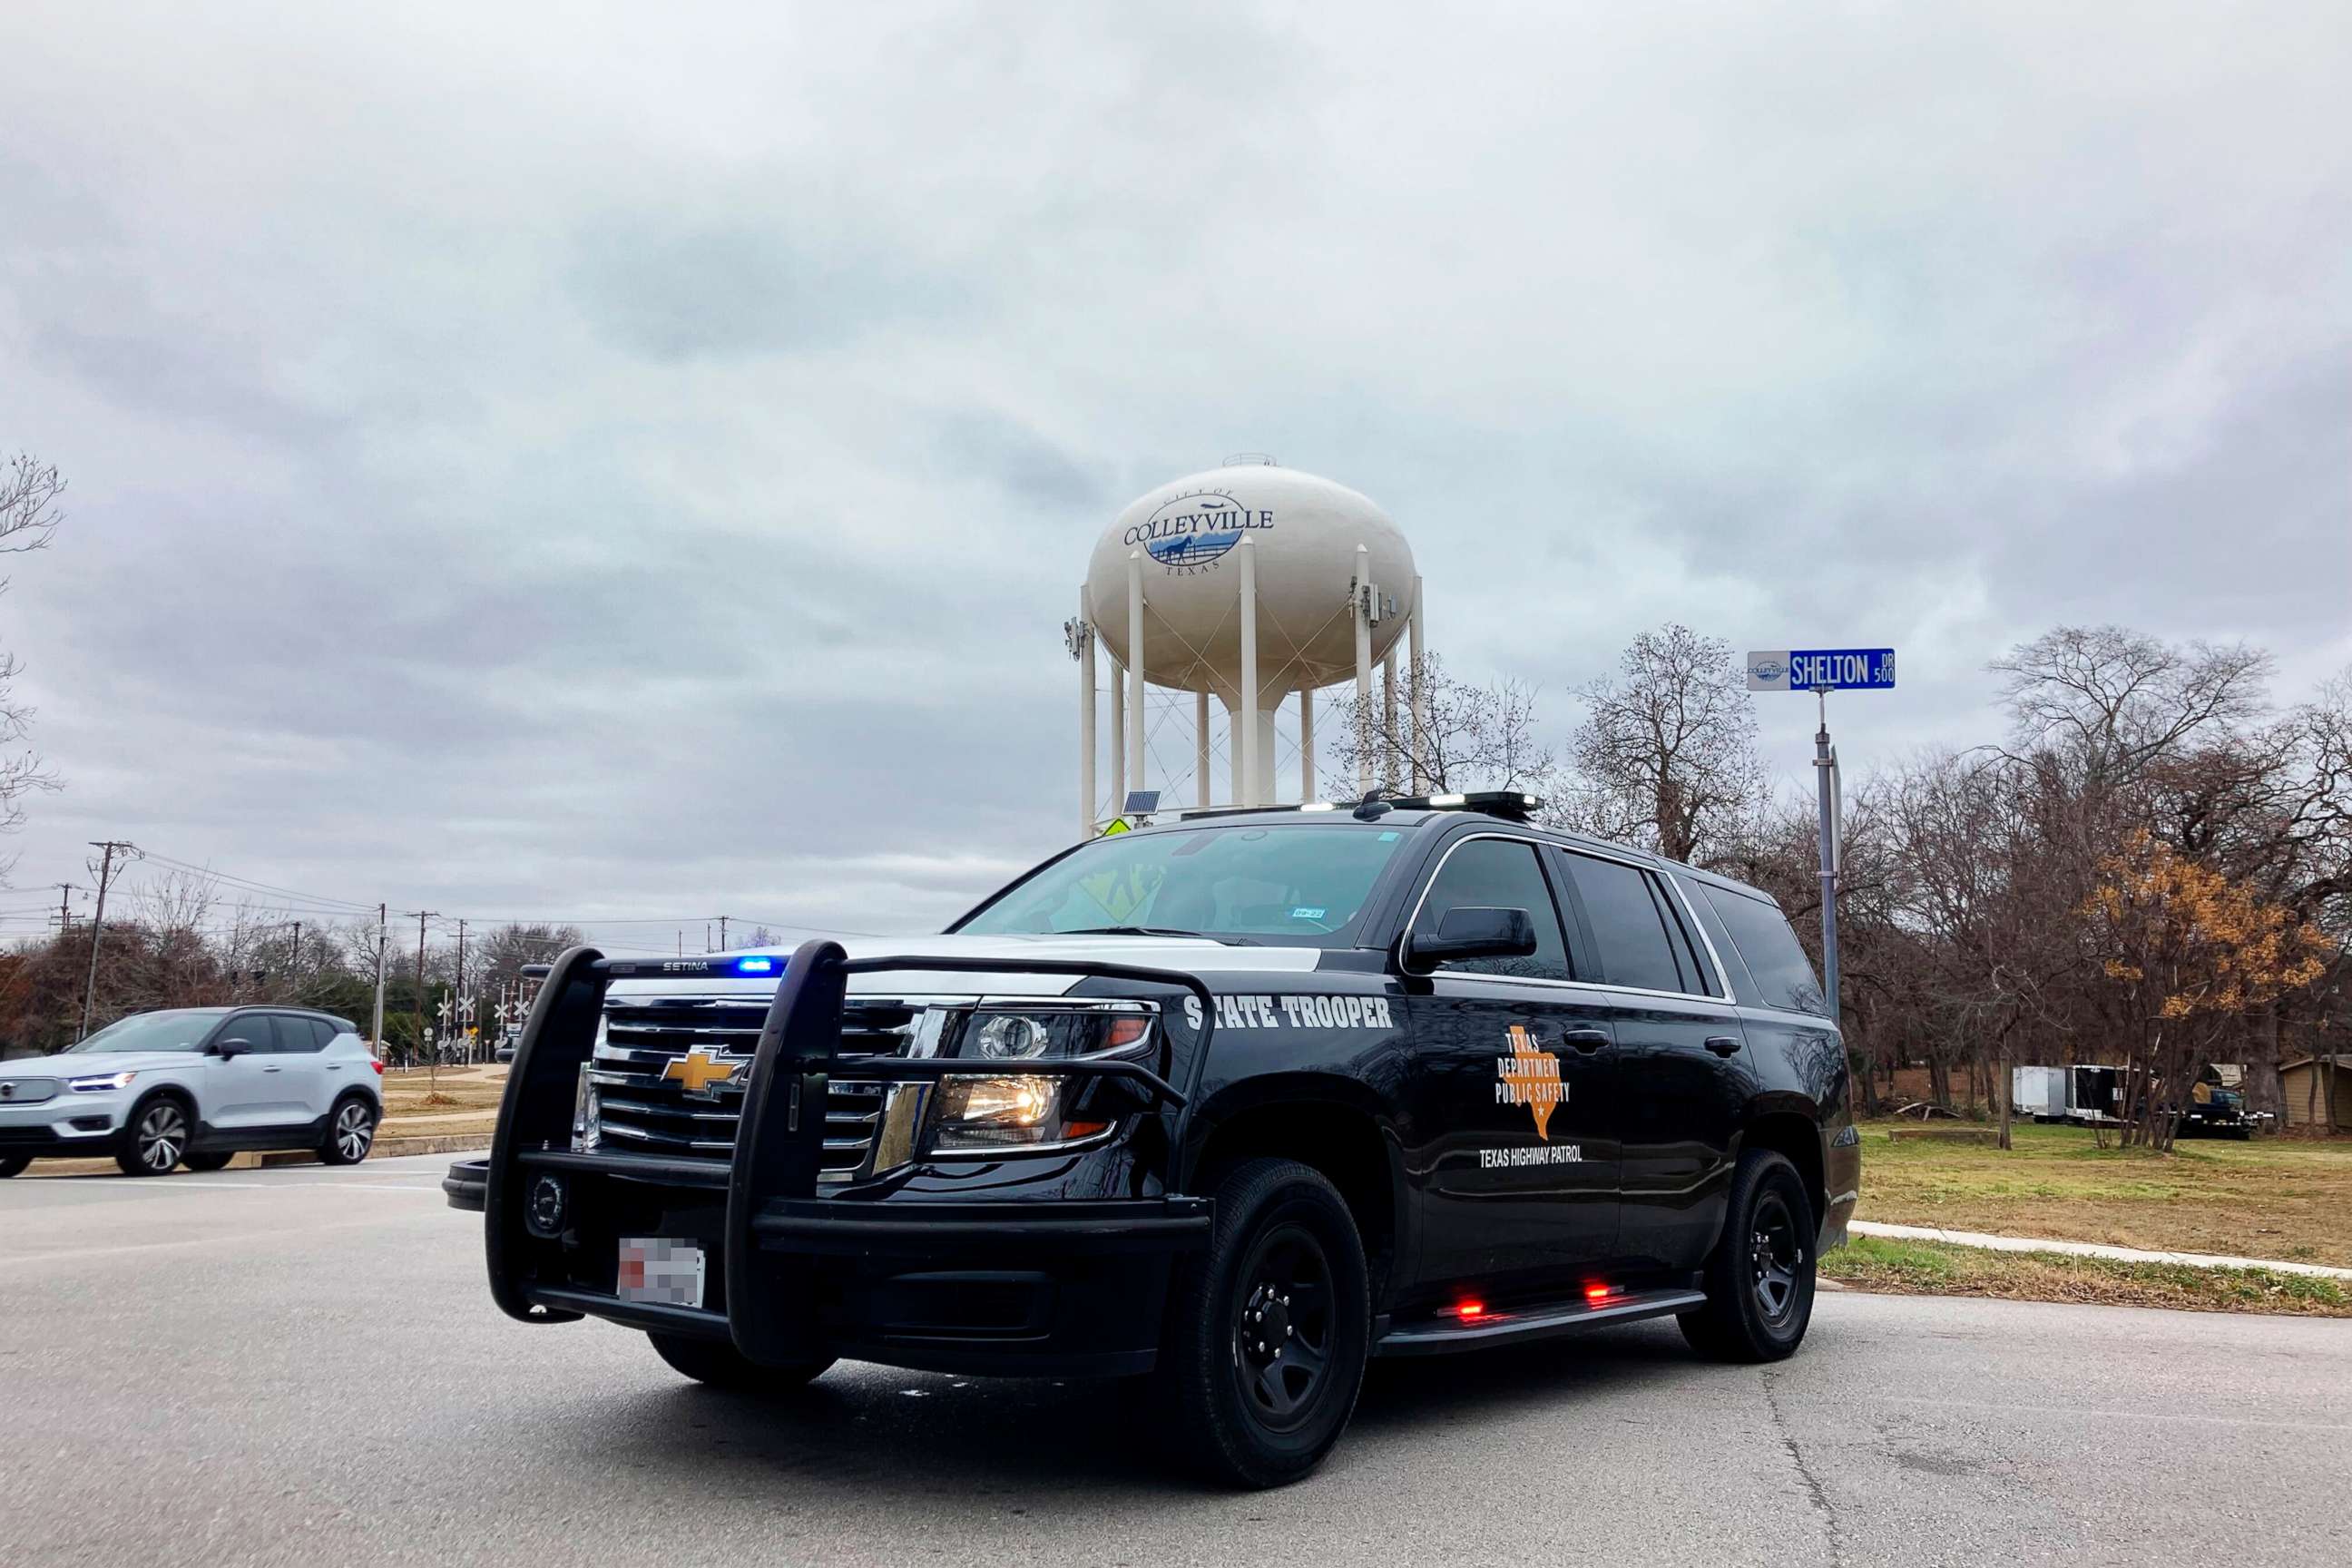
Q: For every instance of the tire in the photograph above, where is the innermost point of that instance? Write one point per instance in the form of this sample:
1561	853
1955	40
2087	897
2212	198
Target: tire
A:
1283	1258
13	1164
350	1132
1760	1278
155	1138
212	1162
718	1364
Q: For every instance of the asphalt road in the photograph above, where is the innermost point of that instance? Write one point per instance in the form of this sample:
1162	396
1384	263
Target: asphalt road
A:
300	1365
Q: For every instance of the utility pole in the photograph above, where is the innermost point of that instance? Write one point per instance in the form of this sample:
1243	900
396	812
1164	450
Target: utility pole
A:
106	849
65	906
722	934
461	973
295	964
422	916
381	937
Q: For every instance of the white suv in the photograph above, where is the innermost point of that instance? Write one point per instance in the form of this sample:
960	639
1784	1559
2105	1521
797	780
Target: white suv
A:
193	1086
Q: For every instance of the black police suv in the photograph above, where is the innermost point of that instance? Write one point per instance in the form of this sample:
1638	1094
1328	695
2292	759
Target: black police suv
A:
1232	1103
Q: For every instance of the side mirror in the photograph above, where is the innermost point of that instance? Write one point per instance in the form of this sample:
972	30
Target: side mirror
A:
232	1047
1467	933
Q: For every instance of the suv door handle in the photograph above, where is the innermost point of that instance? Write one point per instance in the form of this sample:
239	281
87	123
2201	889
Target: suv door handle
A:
1587	1040
1723	1044
273	1069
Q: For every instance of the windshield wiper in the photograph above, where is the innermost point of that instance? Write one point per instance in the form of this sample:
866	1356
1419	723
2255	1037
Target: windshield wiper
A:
1161	931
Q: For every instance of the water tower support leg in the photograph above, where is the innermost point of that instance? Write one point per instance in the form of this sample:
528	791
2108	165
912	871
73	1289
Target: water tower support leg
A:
1245	716
1307	745
1200	746
1117	740
1356	607
1134	671
1419	672
1086	719
1391	753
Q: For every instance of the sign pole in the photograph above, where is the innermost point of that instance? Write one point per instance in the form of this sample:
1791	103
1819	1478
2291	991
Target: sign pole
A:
1825	764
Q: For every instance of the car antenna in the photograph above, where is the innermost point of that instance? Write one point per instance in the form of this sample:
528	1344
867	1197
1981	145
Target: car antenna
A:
1371	808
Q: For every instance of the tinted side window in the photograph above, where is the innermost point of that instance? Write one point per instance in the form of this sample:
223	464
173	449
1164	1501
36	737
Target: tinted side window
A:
323	1032
1743	989
1495	873
1699	976
1629	935
1781	972
294	1035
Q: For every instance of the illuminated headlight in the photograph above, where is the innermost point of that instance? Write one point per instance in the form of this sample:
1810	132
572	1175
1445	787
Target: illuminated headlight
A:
983	1113
1030	1111
99	1081
587	1128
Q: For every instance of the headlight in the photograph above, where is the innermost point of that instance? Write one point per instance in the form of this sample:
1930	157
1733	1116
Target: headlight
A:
1031	1110
97	1082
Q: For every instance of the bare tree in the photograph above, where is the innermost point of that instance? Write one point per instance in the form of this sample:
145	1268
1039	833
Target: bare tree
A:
1669	747
29	516
1474	738
2113	702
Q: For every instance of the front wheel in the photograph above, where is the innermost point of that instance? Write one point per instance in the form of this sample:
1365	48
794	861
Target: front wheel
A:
154	1141
1759	1280
350	1133
217	1161
1263	1356
720	1366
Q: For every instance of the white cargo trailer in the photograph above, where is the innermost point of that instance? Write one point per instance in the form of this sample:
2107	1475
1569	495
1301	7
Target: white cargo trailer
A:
2084	1094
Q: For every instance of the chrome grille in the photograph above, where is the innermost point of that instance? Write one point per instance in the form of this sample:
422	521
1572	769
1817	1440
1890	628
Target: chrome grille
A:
639	1109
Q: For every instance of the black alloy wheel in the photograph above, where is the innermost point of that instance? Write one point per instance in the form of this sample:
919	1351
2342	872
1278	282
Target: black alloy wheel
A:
1760	1278
1282	1328
1776	1251
1261	1352
155	1138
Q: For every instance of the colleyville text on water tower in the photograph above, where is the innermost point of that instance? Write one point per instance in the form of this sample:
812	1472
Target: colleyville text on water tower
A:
1251	584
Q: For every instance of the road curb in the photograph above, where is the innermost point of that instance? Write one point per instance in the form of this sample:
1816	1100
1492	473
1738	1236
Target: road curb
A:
2087	1249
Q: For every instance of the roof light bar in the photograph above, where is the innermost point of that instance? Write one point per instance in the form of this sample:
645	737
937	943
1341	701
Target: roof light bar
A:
1509	802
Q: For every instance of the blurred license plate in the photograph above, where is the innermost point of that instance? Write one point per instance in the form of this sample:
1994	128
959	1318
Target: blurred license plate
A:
667	1273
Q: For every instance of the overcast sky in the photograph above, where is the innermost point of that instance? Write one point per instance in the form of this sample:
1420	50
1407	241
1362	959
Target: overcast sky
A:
527	462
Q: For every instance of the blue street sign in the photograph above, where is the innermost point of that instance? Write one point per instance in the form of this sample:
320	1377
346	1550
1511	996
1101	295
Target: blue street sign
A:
1822	670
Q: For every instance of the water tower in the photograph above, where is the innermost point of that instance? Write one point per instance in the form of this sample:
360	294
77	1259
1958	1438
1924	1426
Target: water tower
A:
1249	584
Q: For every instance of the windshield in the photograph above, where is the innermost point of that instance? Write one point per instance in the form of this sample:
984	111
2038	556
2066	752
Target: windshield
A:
1296	884
180	1029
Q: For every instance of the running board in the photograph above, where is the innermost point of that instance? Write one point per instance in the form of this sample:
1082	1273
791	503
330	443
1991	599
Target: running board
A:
1534	1323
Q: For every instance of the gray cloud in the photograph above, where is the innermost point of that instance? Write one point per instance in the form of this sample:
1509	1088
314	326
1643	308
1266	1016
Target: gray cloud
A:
619	469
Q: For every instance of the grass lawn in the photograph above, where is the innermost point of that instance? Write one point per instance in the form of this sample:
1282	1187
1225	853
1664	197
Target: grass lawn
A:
2275	1198
1931	1269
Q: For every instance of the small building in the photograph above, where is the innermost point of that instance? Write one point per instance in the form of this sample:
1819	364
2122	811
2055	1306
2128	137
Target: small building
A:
2306	1081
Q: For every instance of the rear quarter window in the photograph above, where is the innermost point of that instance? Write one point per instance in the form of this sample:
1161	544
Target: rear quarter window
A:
1784	977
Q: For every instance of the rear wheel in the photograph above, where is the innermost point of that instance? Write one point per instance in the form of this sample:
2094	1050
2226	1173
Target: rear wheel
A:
351	1133
11	1164
1759	1281
1263	1356
154	1140
212	1162
721	1365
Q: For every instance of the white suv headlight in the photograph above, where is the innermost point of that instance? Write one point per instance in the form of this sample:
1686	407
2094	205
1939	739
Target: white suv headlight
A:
97	1082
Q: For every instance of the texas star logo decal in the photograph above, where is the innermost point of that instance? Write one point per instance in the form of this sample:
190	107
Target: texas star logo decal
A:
1530	1078
701	1072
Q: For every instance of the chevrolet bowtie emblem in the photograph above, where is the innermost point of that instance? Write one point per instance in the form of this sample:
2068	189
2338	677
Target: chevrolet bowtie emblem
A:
701	1072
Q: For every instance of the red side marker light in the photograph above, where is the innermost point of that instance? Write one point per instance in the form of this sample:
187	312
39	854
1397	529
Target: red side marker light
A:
1468	1309
1599	1292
